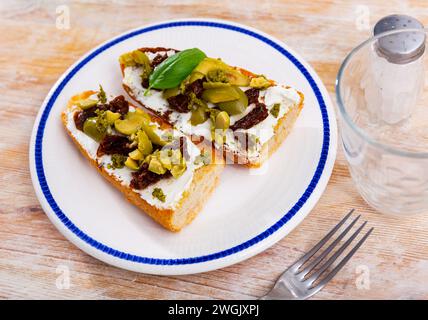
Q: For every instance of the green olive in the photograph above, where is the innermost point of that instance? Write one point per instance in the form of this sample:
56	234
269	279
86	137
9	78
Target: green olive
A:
170	158
140	57
91	129
136	155
237	78
156	166
260	82
112	117
87	103
133	58
209	64
143	114
178	170
222	120
234	76
126	59
153	136
168	93
137	58
131	164
165	156
144	144
212	85
220	94
195	76
236	106
199	115
131	124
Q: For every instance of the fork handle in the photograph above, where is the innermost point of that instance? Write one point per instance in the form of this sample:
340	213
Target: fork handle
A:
279	293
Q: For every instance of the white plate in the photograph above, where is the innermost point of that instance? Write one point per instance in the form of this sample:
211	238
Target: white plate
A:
248	212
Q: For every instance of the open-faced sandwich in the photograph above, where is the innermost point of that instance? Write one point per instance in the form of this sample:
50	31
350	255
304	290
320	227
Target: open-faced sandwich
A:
244	115
157	168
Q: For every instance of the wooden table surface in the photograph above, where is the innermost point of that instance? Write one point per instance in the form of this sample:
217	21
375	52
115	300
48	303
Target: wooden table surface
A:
393	264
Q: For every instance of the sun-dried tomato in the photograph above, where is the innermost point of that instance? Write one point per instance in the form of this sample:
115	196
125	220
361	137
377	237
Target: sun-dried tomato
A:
158	59
255	116
179	103
80	118
252	95
119	104
143	178
196	87
113	144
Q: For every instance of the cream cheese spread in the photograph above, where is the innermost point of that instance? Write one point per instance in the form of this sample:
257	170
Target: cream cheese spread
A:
173	188
263	131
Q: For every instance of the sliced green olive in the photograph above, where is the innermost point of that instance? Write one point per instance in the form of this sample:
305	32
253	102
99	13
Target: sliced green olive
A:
91	129
131	124
212	85
178	170
165	158
142	113
220	94
133	58
237	78
140	57
170	158
222	120
209	64
153	136
234	76
144	144
126	59
236	106
156	166
137	58
136	155
148	158
195	76
260	82
131	164
87	103
175	162
168	93
199	115
112	117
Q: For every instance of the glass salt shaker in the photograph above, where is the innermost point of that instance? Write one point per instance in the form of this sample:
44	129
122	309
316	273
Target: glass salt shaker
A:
395	73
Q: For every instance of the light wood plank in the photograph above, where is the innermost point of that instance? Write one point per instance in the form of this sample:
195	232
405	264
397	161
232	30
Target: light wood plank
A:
33	54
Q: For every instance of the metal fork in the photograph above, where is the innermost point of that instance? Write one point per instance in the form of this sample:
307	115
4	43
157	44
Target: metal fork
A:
300	282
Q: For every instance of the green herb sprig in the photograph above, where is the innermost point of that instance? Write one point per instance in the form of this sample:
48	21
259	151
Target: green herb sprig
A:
102	97
172	71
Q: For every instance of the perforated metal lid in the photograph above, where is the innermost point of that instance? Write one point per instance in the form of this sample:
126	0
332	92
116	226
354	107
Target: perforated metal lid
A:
403	47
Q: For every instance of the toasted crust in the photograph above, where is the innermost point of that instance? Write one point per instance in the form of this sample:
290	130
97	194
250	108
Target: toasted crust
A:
282	129
204	181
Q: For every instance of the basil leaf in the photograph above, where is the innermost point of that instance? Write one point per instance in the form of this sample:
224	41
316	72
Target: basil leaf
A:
172	71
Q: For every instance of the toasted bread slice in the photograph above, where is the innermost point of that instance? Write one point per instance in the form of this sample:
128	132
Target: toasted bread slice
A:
267	134
189	194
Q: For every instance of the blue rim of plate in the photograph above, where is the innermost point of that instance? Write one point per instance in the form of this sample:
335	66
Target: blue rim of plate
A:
192	260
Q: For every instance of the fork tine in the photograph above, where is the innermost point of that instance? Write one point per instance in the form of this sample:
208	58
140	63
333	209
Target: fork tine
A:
315	249
336	269
333	258
318	259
